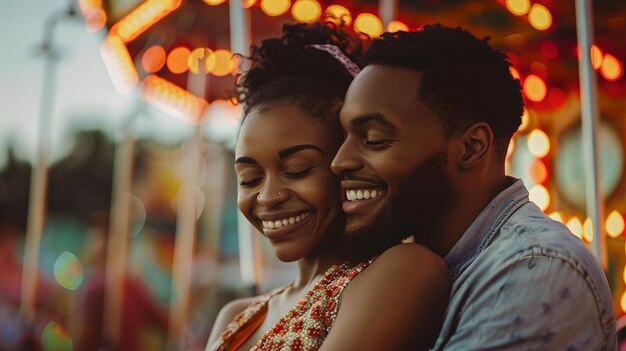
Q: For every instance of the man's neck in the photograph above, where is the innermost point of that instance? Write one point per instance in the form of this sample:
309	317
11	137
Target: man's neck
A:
466	207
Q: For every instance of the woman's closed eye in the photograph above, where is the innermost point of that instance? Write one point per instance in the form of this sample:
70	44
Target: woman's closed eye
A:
248	182
298	173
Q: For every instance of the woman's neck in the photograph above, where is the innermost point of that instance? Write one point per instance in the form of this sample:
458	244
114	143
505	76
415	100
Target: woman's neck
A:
312	267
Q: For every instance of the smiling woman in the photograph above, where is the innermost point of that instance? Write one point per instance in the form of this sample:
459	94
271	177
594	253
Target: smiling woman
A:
288	138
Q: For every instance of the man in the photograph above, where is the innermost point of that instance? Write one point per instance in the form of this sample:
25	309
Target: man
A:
428	122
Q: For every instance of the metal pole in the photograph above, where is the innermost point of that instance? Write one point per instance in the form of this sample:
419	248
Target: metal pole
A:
117	243
39	176
589	112
187	215
249	250
387	10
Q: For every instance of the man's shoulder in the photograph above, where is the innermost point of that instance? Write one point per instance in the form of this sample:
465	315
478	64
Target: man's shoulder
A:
530	232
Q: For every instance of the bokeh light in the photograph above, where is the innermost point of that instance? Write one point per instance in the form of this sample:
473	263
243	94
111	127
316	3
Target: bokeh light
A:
575	226
204	55
596	57
623	302
518	7
514	72
540	17
142	18
537	171
119	64
338	14
153	59
225	63
397	26
614	224
307	11
173	100
540	196
588	230
612	68
275	7
55	338
557	216
369	24
177	60
534	88
214	2
538	143
68	271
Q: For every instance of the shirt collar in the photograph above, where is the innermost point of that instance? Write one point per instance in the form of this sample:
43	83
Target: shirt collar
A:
480	232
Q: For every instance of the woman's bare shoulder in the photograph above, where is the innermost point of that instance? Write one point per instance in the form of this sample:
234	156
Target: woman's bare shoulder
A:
410	262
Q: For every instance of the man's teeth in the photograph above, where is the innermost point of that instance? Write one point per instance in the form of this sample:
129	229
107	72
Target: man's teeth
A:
285	222
356	195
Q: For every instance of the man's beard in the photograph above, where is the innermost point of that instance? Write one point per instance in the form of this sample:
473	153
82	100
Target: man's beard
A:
420	201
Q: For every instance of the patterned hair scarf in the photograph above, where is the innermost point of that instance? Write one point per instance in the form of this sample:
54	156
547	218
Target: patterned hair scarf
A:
338	55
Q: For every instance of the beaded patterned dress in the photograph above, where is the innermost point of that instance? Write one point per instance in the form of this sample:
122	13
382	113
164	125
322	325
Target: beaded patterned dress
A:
305	326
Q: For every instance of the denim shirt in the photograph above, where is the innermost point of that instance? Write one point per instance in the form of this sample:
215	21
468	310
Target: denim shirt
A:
521	281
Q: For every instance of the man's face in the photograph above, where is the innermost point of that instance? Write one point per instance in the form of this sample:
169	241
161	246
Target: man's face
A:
394	159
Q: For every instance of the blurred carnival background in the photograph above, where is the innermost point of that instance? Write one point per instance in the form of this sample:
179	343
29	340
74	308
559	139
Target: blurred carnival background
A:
117	192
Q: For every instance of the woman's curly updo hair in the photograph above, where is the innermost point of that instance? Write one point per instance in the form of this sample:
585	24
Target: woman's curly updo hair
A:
288	69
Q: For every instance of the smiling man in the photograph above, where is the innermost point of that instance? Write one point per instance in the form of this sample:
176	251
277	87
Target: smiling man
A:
427	124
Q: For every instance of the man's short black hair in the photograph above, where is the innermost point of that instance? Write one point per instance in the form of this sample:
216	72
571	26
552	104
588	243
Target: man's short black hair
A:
463	79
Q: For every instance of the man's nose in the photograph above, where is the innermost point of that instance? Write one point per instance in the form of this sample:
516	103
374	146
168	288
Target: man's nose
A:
346	159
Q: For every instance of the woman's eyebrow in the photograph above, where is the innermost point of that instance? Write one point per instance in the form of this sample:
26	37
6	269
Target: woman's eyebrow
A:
293	149
245	159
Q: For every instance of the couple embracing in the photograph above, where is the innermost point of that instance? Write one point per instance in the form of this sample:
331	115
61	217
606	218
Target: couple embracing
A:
343	154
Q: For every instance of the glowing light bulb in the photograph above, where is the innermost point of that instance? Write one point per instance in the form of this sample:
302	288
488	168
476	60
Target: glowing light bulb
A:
225	63
588	230
538	143
153	59
623	302
575	226
557	216
535	88
540	196
612	68
540	17
614	224
275	7
397	26
177	60
338	14
369	24
596	57
307	11
518	7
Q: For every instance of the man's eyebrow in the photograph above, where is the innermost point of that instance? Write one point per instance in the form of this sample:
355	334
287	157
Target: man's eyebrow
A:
373	117
293	149
247	160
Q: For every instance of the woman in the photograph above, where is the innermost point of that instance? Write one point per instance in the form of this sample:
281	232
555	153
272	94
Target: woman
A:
292	94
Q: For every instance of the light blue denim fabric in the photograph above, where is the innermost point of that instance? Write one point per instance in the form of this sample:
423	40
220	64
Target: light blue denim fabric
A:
521	281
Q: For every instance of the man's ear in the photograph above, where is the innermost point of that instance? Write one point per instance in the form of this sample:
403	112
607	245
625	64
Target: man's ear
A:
475	143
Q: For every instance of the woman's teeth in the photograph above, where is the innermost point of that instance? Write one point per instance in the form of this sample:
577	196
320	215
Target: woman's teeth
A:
357	195
285	222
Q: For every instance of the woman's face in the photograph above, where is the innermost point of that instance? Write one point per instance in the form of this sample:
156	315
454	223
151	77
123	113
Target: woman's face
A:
286	188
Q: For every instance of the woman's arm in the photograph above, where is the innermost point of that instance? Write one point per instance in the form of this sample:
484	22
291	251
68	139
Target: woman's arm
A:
397	303
226	315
